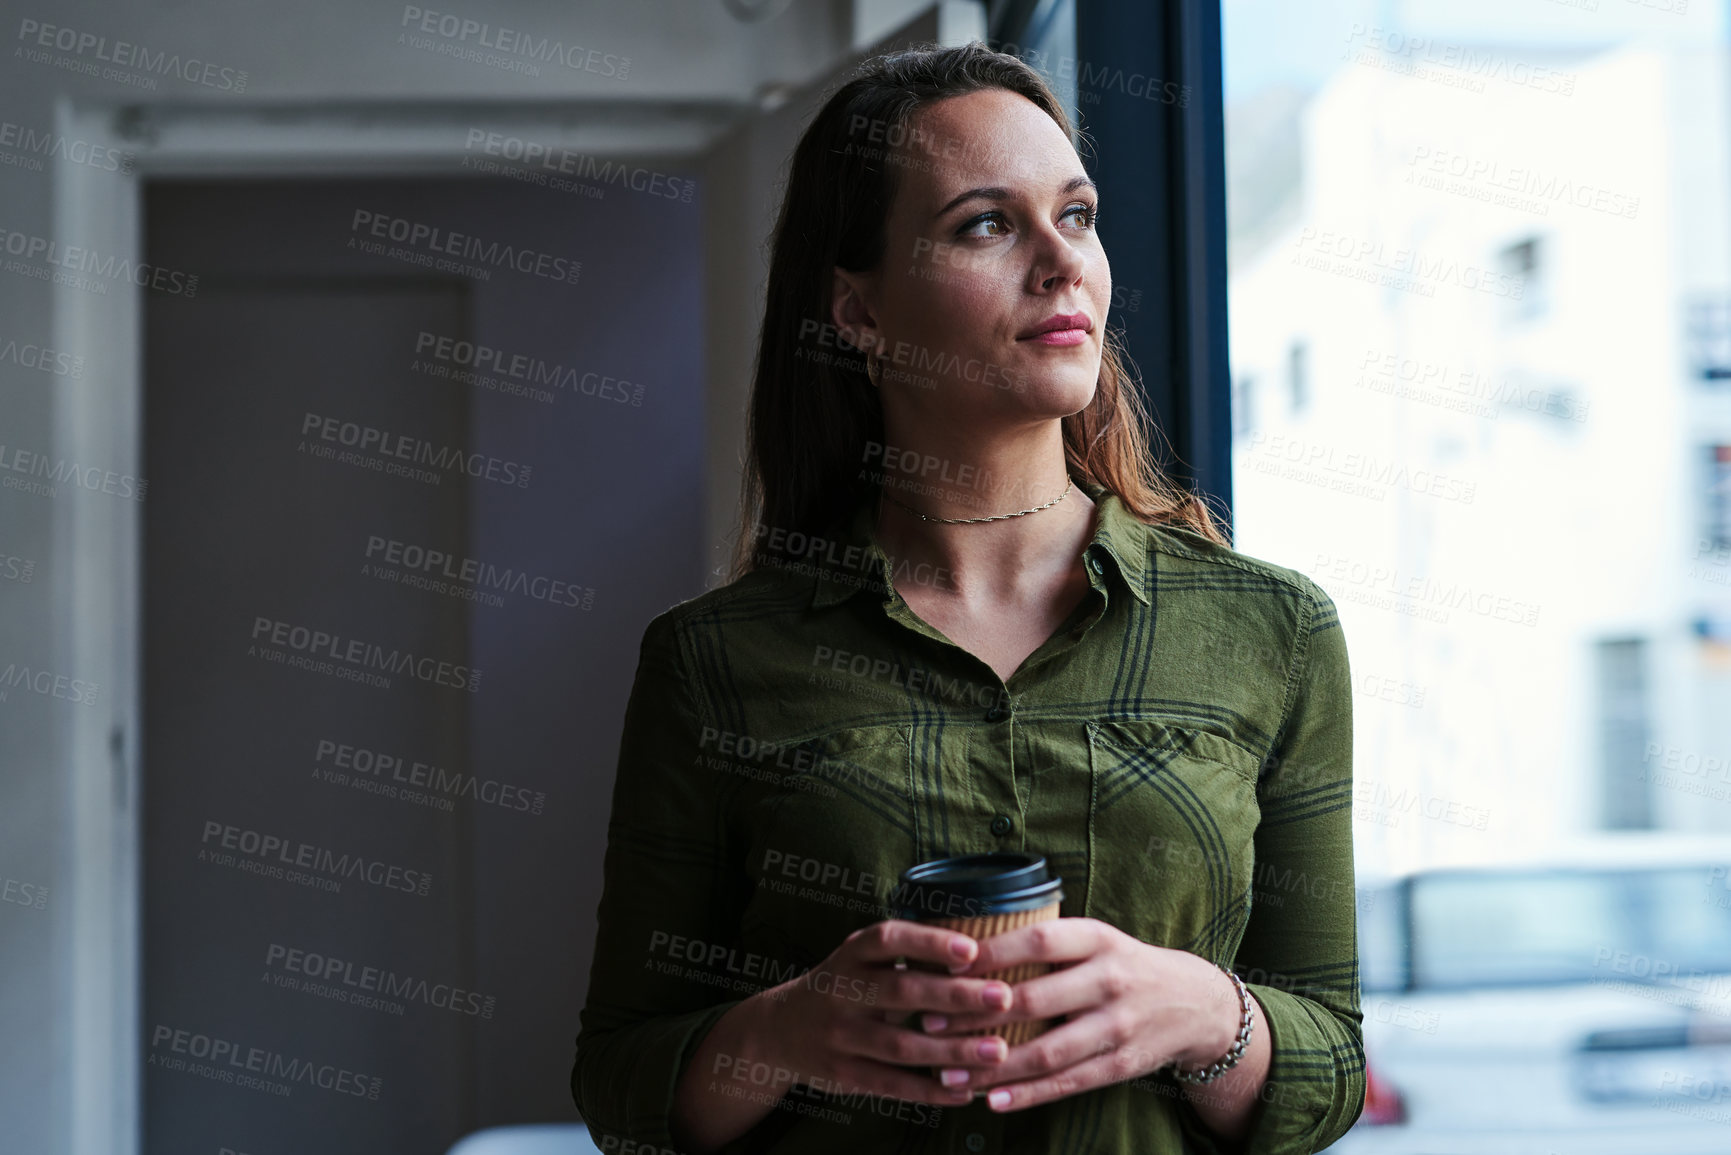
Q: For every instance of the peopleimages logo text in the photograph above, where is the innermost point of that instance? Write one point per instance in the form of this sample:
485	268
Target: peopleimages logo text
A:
356	652
307	856
379	980
267	1064
55	470
35	34
404	447
514	42
432	238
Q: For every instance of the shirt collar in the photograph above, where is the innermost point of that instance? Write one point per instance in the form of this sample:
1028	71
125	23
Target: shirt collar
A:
853	560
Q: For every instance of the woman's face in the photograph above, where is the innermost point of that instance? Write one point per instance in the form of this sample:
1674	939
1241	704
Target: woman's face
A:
990	240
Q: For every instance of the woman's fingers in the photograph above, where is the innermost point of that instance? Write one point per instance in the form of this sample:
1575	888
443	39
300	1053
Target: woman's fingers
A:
1098	1071
1082	1040
1062	992
917	991
883	1049
912	1048
887	1081
1059	940
885	941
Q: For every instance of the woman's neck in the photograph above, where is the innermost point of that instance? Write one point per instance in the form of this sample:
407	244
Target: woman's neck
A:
997	561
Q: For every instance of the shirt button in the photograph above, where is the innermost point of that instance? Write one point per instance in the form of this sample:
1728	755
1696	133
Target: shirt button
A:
1002	825
1094	564
975	1141
997	714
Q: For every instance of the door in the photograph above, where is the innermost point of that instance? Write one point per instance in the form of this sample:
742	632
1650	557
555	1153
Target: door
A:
424	458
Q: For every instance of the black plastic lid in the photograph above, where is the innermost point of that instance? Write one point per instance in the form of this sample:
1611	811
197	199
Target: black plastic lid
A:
976	885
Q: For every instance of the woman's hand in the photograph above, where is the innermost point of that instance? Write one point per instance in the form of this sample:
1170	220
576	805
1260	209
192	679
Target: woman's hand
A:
838	1027
1132	1007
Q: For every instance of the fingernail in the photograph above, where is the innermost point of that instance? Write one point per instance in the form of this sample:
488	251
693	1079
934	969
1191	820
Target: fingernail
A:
954	1076
959	968
999	1100
990	1049
960	947
934	1022
998	995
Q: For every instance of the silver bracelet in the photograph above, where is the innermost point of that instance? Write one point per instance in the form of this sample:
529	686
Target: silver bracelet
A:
1227	1061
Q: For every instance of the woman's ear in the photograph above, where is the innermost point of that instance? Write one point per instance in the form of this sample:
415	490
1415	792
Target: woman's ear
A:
852	311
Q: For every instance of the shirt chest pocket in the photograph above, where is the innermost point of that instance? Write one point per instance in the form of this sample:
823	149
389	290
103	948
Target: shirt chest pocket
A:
828	842
1171	833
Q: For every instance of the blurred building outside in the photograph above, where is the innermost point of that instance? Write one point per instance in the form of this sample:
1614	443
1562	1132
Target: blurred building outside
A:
1481	350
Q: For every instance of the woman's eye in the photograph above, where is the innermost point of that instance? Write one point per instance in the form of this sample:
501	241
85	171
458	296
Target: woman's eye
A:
1090	214
997	226
994	219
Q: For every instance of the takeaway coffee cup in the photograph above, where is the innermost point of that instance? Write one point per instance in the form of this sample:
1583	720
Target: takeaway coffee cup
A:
982	895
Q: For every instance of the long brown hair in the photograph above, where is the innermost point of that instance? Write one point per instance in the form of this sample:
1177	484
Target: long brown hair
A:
813	410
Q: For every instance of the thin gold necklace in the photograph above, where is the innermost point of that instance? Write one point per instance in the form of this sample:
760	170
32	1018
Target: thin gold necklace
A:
1070	484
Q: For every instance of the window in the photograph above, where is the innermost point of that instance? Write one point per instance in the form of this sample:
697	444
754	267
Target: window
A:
1707	325
1382	962
1487	299
1718	491
1297	376
1493	929
1465	321
1503	928
1043	35
1243	406
1522	267
1626	793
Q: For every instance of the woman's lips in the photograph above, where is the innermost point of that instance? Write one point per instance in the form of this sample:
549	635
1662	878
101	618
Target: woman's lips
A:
1060	337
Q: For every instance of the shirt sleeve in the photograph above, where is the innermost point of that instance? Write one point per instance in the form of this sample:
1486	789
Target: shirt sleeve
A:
668	907
1299	953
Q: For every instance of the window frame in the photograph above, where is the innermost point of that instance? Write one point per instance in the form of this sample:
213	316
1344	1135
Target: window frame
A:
1163	164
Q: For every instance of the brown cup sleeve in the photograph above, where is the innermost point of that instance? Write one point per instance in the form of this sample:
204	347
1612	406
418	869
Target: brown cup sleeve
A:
1014	1033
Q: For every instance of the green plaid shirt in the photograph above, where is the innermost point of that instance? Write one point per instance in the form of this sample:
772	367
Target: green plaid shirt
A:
1180	750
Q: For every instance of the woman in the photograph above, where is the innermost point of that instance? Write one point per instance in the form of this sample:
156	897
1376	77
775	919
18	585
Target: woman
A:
971	615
